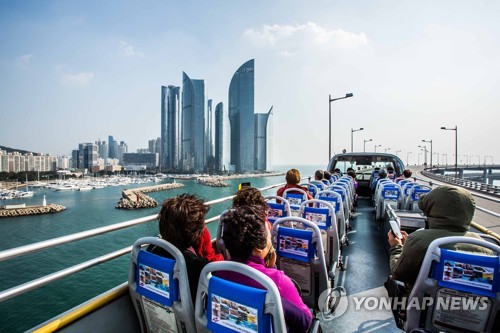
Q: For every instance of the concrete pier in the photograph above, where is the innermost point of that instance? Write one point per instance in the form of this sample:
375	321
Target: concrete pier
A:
135	198
31	210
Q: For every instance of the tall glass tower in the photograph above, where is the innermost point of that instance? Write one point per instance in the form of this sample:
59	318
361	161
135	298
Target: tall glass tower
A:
263	140
222	139
193	124
170	128
241	117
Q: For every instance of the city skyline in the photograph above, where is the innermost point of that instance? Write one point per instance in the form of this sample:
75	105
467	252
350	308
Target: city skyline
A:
72	72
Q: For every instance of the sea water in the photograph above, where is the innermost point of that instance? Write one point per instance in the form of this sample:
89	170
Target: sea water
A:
86	210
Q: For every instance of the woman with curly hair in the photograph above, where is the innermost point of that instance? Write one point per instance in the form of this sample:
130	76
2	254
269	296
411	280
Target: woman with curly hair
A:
248	241
182	223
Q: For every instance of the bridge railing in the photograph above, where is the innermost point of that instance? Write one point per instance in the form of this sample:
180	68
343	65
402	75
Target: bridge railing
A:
470	184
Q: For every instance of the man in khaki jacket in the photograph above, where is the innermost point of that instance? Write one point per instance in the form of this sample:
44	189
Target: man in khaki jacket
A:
449	211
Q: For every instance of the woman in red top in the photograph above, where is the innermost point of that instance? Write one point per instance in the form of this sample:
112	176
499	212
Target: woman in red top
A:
292	181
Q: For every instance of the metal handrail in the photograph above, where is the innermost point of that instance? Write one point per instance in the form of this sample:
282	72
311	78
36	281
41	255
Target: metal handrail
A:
476	186
35	247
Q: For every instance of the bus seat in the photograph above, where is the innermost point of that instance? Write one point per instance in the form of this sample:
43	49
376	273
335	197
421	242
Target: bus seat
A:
319	184
406	189
277	209
335	199
322	213
227	306
159	288
389	194
219	242
300	255
456	280
413	196
295	197
313	188
345	199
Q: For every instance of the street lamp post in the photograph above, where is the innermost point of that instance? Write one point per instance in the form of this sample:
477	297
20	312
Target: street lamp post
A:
418	158
398	151
364	144
375	147
437	154
445	163
456	146
425	154
330	100
430	141
407	158
386	149
352	132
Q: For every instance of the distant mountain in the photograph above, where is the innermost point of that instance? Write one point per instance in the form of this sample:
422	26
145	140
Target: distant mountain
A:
11	150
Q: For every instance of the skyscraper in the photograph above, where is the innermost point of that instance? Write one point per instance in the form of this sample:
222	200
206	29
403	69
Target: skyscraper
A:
193	124
263	140
209	144
241	117
222	139
170	128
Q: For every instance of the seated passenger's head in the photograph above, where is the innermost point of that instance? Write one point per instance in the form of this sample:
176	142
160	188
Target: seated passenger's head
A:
249	196
182	220
336	170
448	207
245	233
327	175
318	175
382	173
407	173
352	173
293	177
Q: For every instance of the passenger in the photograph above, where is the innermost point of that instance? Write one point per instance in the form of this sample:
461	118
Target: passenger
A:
250	196
327	178
292	181
382	174
351	173
318	175
390	171
248	241
182	223
406	175
449	212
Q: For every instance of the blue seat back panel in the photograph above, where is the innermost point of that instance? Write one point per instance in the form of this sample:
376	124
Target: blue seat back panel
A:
418	192
275	211
477	274
334	201
295	199
320	216
233	307
295	244
155	278
391	193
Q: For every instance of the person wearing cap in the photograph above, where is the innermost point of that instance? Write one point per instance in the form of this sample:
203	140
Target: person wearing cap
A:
449	211
382	174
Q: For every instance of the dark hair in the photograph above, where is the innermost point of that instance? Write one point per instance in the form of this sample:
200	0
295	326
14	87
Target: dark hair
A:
407	173
249	196
318	175
327	175
293	176
352	173
244	229
182	220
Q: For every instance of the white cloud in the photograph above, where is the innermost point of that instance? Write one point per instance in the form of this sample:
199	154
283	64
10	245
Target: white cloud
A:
25	60
129	51
69	78
290	38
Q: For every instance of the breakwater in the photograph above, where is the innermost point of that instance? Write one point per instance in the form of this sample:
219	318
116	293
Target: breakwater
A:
136	199
31	210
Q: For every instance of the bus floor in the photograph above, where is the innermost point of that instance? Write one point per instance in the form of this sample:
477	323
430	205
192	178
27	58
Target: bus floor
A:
366	269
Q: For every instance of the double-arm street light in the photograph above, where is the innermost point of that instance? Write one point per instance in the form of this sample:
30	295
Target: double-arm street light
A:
430	141
456	146
330	100
386	149
364	144
407	157
352	132
375	147
398	151
425	153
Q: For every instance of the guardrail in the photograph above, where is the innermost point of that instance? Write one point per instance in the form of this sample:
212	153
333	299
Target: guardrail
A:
469	184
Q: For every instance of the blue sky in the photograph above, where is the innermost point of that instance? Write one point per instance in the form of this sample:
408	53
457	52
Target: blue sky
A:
74	71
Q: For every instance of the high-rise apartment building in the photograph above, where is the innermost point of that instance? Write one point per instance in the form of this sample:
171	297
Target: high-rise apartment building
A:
170	128
263	140
193	125
209	137
241	117
222	140
102	149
